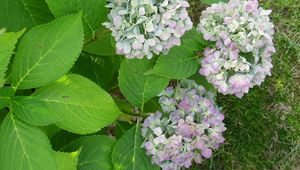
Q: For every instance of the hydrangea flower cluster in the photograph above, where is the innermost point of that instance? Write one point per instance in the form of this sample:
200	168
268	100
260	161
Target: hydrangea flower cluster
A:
146	27
190	128
242	57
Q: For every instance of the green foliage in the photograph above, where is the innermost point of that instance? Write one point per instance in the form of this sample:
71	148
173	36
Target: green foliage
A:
101	70
5	94
24	147
95	152
33	111
49	50
66	161
128	154
8	42
85	106
105	95
137	87
103	39
184	58
209	2
94	13
18	14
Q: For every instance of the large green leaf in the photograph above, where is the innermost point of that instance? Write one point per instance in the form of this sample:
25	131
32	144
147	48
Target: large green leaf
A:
128	154
101	70
94	13
47	52
137	87
81	105
18	14
24	147
103	44
182	61
7	41
95	152
66	161
33	111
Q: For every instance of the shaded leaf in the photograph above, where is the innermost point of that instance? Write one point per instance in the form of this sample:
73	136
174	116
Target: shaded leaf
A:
201	80
102	45
101	70
122	128
63	138
94	13
5	94
95	152
18	14
137	87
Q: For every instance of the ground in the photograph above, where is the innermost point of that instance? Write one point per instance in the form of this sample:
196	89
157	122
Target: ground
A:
263	128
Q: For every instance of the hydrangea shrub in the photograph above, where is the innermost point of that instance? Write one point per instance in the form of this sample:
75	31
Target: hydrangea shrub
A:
112	84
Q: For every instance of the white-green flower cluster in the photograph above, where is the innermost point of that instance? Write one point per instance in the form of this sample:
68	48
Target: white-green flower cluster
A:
189	129
243	33
146	27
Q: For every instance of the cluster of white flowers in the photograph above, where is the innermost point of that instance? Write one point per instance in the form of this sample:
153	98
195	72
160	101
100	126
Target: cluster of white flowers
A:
190	128
242	57
144	27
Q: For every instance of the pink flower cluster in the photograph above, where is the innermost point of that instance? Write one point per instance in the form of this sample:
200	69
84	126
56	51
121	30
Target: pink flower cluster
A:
241	58
190	127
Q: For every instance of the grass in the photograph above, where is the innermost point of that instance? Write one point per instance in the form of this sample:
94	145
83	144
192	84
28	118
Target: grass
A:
264	127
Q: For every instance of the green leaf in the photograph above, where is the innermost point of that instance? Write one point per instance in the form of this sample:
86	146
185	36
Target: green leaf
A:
50	130
81	105
18	14
122	128
94	13
193	40
47	52
102	45
209	2
24	147
182	61
5	94
179	63
3	113
66	161
95	152
8	42
63	138
152	106
137	87
101	70
128	154
201	80
33	111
